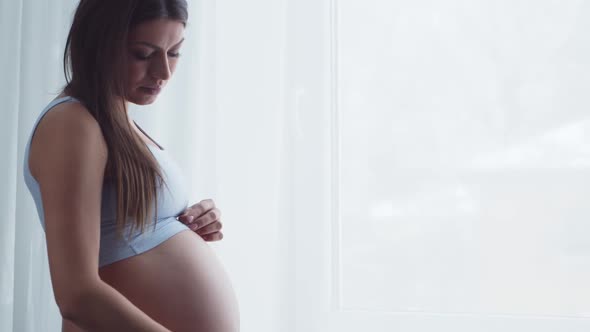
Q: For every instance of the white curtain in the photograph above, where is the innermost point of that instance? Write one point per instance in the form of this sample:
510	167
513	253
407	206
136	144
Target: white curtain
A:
380	165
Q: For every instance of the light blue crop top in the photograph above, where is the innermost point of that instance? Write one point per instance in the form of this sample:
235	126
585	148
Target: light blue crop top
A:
172	201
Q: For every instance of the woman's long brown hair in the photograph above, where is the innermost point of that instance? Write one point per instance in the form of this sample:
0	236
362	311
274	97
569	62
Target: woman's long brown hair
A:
95	57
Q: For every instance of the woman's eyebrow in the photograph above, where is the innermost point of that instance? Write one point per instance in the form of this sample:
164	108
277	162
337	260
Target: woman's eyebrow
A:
154	46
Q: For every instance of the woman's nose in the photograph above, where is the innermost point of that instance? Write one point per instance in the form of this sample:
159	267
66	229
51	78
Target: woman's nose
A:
161	68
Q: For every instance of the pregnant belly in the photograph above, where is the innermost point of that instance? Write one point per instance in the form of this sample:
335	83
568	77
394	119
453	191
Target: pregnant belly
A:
180	283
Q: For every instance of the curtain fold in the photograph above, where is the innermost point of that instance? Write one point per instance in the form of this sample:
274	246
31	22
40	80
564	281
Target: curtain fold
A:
10	35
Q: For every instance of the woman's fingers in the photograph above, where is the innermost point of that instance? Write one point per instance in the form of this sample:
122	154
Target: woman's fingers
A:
213	236
207	229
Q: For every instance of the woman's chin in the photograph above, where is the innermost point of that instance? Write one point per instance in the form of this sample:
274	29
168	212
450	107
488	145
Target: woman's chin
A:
142	99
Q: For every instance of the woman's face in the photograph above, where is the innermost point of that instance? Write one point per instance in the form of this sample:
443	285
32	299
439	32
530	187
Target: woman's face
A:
152	55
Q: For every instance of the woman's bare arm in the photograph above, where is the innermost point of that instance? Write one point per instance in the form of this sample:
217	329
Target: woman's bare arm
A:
99	307
68	158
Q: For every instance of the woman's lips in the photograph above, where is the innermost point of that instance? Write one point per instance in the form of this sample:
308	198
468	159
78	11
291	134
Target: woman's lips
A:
151	91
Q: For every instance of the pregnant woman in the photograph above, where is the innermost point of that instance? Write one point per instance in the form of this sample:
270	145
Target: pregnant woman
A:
126	252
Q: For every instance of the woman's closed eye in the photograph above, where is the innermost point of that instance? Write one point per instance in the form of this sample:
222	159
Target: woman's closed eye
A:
140	56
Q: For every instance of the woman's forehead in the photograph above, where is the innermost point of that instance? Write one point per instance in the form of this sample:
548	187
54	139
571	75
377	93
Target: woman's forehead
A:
161	32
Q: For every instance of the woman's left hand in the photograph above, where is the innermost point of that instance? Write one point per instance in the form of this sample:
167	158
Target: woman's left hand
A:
203	219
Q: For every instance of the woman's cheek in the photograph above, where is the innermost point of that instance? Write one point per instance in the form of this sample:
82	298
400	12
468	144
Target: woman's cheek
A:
136	71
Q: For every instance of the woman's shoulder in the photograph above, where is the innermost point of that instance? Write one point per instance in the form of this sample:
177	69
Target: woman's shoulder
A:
69	111
61	129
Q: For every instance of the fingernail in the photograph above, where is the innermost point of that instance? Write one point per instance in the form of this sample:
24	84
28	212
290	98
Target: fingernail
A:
190	218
